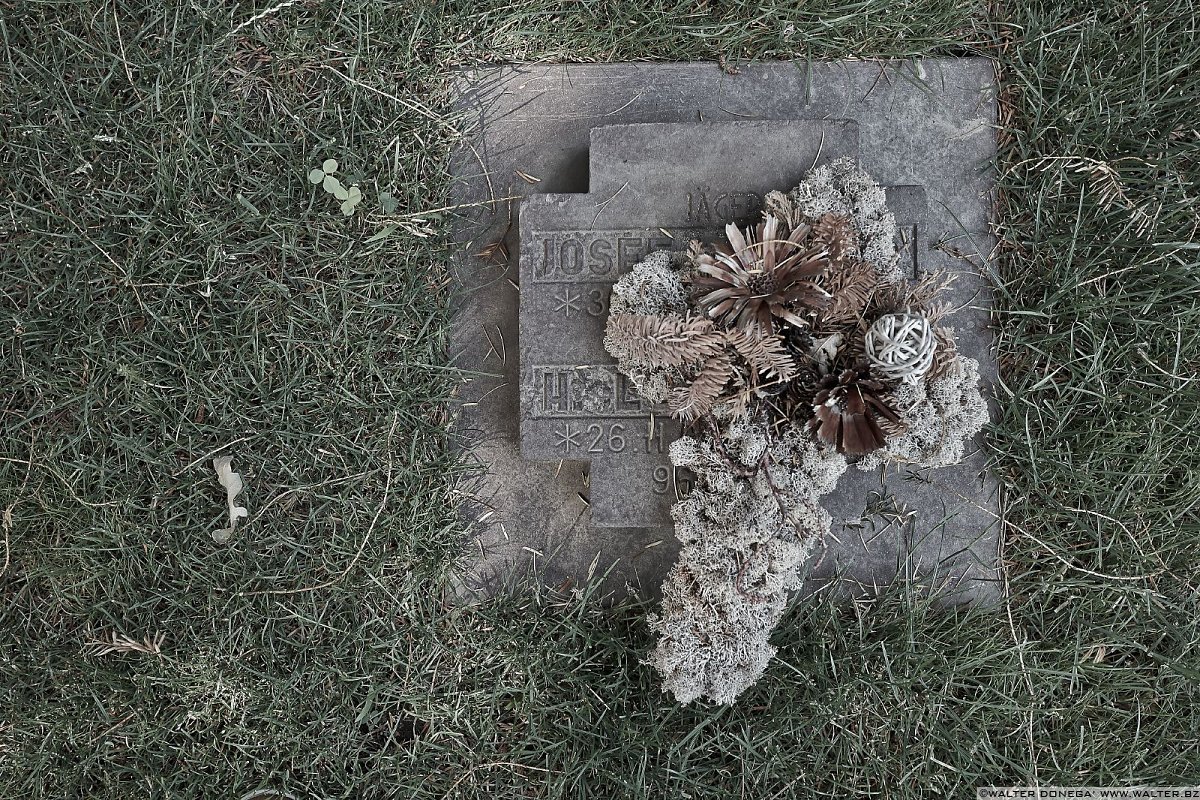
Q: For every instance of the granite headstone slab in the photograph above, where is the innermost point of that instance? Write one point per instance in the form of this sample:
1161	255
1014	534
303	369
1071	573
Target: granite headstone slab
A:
655	186
589	486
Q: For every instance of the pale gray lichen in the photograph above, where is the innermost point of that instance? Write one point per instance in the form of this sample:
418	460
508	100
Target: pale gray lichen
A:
754	517
843	188
654	287
741	555
939	418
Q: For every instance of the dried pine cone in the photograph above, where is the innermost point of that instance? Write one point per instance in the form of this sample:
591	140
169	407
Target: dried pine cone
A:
835	234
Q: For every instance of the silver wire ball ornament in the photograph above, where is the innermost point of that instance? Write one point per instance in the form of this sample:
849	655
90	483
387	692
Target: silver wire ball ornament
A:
900	346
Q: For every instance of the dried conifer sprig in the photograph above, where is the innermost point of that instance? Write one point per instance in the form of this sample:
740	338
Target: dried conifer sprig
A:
921	297
697	397
762	275
664	341
766	354
851	284
675	342
706	359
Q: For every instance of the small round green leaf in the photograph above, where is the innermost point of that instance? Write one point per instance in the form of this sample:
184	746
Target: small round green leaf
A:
347	208
354	194
331	184
316	176
340	193
330	166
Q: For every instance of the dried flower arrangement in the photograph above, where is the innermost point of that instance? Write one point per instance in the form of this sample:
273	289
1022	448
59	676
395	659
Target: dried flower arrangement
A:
786	348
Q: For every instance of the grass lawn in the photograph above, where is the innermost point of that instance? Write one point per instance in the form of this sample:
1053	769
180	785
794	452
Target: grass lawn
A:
172	287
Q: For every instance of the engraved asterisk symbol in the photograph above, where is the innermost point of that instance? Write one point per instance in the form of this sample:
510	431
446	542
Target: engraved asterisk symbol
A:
568	301
567	438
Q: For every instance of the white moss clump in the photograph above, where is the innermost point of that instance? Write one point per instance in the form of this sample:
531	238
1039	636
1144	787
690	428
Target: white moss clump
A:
939	418
740	556
754	517
813	469
843	188
654	287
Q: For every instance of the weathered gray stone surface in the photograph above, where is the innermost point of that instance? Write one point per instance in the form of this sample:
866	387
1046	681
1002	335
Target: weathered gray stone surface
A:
575	477
691	179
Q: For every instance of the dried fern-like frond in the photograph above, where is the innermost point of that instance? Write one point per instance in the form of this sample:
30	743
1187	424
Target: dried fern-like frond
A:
890	427
120	643
739	401
662	341
697	398
937	310
766	354
850	288
927	290
904	296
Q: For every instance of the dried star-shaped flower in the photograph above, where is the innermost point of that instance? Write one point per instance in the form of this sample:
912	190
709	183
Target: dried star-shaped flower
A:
760	276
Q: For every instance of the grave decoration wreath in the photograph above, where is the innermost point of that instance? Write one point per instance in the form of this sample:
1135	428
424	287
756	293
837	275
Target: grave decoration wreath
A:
785	349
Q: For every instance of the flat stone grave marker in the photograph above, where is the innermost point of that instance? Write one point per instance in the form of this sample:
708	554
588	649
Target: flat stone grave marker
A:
590	485
575	404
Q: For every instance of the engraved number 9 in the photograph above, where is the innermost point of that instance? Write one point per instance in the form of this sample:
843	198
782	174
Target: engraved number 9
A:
662	480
